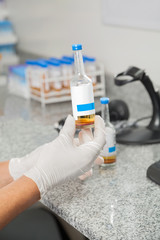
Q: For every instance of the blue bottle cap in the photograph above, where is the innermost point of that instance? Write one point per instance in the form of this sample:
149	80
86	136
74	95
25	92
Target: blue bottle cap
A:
31	62
66	62
68	58
54	63
104	100
42	64
76	47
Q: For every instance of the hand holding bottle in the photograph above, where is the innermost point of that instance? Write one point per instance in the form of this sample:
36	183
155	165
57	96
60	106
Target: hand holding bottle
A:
62	159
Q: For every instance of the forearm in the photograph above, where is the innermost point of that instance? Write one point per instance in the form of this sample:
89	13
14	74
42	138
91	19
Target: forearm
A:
5	177
16	197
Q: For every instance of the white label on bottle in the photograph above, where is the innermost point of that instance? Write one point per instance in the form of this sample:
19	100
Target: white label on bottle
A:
82	100
109	148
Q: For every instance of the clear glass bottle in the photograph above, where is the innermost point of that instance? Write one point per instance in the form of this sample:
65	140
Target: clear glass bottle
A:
82	93
109	151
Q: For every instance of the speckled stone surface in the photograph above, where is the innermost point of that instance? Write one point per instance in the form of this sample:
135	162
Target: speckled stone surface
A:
19	137
117	203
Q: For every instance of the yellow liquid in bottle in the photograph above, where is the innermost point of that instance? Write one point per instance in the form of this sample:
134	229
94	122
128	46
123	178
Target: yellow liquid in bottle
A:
109	160
86	121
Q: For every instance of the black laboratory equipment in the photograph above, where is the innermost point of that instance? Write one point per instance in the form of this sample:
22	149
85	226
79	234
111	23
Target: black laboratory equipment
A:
135	134
153	172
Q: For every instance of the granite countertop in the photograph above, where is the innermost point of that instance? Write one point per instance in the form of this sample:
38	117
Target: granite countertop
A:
118	203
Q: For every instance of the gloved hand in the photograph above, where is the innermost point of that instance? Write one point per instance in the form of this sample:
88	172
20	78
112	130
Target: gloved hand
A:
62	159
18	166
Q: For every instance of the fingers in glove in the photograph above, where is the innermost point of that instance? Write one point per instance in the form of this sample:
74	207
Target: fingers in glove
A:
99	133
93	148
86	175
68	130
99	160
76	142
85	135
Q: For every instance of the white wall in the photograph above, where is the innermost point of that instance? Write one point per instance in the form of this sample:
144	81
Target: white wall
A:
50	27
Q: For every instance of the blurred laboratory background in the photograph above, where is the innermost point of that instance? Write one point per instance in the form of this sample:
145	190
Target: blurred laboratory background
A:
37	65
45	30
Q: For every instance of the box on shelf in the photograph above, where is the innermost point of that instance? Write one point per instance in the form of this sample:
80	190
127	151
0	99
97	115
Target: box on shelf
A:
17	83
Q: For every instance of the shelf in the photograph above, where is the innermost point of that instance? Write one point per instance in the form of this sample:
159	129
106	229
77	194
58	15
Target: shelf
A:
8	39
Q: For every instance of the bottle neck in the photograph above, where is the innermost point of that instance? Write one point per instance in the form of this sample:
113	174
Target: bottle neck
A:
105	114
78	63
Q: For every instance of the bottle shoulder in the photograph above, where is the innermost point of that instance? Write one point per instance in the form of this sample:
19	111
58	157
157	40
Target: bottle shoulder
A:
80	79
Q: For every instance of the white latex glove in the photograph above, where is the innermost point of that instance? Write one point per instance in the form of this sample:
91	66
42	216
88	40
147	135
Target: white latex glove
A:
18	166
62	159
